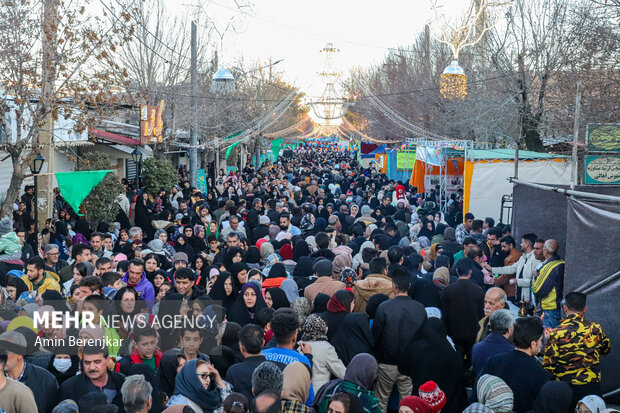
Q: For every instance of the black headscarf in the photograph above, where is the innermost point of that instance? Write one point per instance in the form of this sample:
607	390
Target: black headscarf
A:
278	296
425	232
362	370
230	254
278	270
167	370
186	248
222	357
353	337
554	397
253	255
242	315
320	303
301	249
235	269
218	292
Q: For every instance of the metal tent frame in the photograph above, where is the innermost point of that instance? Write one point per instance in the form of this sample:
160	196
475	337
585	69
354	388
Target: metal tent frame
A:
445	144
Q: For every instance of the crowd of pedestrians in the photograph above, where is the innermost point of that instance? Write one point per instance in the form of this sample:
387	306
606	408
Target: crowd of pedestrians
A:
326	288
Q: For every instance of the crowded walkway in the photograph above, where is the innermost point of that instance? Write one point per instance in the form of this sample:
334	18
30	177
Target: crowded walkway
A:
311	284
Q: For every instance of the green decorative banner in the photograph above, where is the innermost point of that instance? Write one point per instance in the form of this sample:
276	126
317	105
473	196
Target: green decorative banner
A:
230	148
201	181
603	137
75	186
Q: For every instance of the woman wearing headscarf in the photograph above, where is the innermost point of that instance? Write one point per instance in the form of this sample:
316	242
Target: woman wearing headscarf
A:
296	388
427	230
198	240
494	396
200	386
239	272
247	306
301	249
143	213
339	305
223	290
276	298
266	249
341	261
359	380
233	255
431	357
325	361
357	259
182	245
162	235
290	288
171	363
275	276
252	257
319	305
353	337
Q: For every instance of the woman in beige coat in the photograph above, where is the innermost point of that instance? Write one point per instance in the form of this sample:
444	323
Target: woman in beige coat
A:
325	361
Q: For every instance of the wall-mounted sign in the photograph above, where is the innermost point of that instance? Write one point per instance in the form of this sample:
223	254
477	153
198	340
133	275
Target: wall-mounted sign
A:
602	169
603	137
151	123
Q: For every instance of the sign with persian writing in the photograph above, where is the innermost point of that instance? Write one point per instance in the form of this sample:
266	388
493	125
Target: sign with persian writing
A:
602	169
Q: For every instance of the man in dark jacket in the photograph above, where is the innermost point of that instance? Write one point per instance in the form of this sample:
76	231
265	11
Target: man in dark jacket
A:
42	383
514	366
253	218
261	230
396	323
239	375
96	377
462	308
497	342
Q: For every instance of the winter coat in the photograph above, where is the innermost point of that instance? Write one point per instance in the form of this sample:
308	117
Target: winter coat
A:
369	286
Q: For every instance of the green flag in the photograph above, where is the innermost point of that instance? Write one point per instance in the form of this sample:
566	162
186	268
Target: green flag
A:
75	186
230	148
276	144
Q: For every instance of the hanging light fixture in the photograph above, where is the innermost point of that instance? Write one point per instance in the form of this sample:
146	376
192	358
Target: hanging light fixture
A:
223	82
453	82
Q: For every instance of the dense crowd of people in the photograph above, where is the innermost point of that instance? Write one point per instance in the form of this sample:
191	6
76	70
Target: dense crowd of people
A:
310	284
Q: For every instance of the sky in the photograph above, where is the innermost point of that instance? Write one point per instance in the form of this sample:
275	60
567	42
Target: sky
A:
296	31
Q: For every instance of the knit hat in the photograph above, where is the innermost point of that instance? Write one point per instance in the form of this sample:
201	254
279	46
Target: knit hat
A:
66	406
594	403
323	268
432	394
264	220
156	246
495	394
120	257
180	256
416	404
365	210
6	226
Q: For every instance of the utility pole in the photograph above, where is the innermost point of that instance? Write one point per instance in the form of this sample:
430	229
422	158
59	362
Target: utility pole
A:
193	137
261	109
575	159
45	139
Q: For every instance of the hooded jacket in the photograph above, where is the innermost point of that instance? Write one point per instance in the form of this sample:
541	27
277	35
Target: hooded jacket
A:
144	288
369	286
50	281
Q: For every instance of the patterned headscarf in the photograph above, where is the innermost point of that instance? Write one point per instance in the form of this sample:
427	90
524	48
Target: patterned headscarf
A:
495	394
315	328
347	275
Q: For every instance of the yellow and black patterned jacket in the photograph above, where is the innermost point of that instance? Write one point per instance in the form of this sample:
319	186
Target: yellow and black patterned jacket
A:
573	350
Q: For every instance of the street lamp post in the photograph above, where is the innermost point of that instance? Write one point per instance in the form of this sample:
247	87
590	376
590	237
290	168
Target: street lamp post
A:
136	156
35	168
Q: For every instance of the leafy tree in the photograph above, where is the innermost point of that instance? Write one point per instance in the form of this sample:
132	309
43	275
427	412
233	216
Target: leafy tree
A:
158	174
100	204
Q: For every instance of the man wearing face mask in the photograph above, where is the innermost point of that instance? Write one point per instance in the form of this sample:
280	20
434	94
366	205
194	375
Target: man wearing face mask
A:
286	226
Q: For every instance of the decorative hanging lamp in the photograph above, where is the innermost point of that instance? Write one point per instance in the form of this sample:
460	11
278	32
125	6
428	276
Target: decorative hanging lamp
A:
453	82
223	82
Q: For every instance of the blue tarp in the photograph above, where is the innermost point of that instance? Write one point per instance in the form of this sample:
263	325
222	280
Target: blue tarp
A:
395	174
